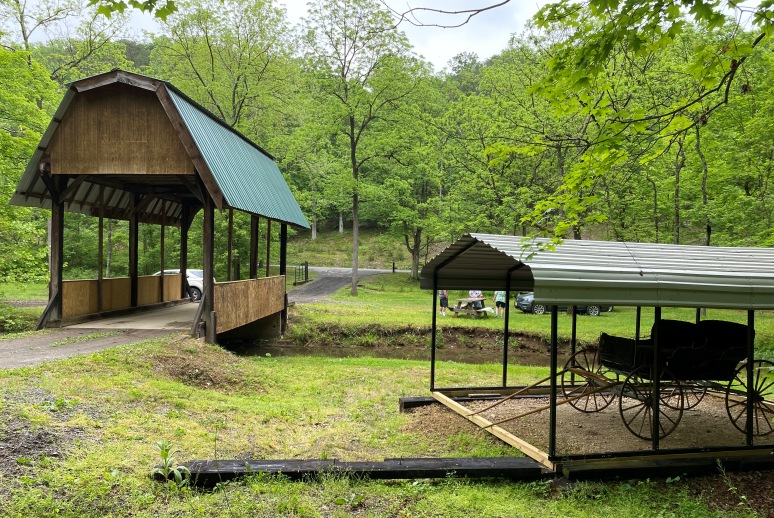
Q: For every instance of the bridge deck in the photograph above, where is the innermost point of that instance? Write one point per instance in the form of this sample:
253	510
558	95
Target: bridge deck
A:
174	318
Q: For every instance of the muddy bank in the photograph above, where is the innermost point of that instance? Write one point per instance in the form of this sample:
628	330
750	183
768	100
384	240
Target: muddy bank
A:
458	345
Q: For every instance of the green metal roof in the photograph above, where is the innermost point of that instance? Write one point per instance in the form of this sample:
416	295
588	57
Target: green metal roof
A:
248	177
614	273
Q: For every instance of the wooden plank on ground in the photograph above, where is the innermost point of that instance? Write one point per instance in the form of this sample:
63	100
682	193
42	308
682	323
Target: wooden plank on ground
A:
209	472
666	465
522	445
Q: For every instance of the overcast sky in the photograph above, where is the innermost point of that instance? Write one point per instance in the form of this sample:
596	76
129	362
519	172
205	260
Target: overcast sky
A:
486	34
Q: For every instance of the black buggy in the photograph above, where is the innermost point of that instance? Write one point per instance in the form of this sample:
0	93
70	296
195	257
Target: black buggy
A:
692	360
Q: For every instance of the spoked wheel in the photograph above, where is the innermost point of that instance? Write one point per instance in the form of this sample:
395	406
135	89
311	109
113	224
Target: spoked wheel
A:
692	395
636	402
575	384
538	309
762	394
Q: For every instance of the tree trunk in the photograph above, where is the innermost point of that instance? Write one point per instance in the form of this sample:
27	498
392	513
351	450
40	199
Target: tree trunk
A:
341	222
355	243
705	171
314	228
655	204
415	249
679	164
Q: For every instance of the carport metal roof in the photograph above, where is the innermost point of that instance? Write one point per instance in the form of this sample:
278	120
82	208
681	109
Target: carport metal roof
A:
615	273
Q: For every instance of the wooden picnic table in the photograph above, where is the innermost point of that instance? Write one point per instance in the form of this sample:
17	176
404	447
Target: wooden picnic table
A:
466	306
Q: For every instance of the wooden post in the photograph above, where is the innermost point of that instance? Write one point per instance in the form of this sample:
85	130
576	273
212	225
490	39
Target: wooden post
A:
230	244
268	245
254	220
283	266
57	247
208	301
100	248
134	238
55	187
161	252
185	224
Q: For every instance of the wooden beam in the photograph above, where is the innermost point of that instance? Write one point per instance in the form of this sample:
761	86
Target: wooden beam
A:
254	221
230	255
134	237
283	266
207	473
71	190
161	257
185	224
208	301
116	76
100	247
524	446
268	246
56	263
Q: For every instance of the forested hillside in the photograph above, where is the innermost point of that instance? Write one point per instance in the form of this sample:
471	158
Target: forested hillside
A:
658	131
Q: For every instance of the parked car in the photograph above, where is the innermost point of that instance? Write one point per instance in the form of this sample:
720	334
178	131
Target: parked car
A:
525	301
195	281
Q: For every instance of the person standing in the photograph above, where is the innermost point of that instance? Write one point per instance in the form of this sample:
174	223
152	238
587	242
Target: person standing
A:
500	302
443	295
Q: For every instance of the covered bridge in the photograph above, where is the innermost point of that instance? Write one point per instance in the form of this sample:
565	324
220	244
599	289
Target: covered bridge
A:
628	370
130	147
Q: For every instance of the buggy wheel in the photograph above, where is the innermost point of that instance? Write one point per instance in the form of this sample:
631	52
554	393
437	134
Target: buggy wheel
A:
762	394
692	395
636	402
576	384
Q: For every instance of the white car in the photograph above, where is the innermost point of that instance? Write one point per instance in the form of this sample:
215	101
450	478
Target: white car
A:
195	281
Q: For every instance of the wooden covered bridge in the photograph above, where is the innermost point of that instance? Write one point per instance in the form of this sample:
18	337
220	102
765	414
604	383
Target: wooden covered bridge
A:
129	147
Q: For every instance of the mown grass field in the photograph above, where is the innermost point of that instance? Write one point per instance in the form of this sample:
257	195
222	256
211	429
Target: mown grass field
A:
79	440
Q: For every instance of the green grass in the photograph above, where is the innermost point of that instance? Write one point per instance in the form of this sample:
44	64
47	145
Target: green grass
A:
376	250
103	414
23	291
394	300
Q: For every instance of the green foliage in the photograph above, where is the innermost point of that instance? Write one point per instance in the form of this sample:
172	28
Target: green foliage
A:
175	476
25	97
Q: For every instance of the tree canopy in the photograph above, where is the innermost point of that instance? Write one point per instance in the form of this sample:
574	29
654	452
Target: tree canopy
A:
644	121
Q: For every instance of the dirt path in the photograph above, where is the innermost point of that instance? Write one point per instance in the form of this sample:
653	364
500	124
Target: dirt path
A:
57	344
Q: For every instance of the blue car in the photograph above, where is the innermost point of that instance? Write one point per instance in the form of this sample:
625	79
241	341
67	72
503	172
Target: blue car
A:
525	301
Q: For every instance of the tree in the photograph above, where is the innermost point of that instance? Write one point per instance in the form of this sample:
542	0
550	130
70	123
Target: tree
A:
72	32
27	97
231	56
360	63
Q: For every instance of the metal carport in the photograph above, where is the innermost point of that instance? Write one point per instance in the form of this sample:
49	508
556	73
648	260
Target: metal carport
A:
615	273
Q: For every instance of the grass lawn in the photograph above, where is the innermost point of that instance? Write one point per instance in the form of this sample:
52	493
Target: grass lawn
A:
80	437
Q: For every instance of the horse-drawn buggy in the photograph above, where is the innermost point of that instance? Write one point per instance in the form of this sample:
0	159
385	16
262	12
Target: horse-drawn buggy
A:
692	361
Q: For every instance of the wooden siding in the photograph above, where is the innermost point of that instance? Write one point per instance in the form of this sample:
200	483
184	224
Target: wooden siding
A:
241	302
117	130
79	298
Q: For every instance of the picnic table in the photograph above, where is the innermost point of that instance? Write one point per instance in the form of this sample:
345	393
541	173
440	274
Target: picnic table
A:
466	306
